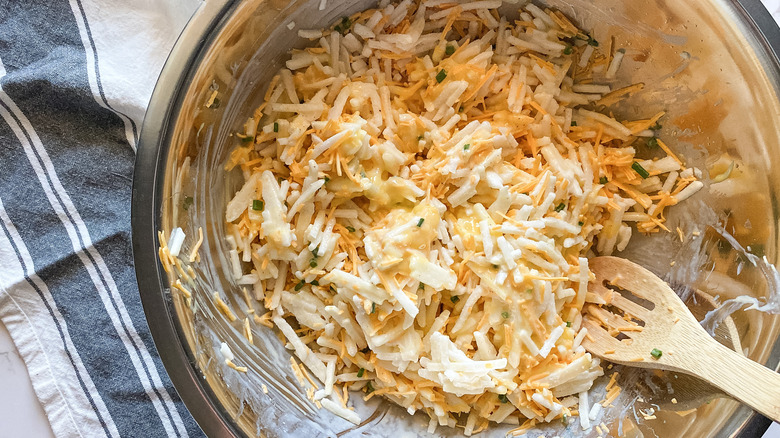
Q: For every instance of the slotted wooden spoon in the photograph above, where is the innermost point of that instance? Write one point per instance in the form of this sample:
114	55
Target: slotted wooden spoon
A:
671	330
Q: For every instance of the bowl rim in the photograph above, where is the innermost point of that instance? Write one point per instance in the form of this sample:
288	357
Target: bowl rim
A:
166	100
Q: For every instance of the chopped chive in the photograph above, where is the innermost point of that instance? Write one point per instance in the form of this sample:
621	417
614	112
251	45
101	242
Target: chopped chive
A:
454	298
441	76
460	109
247	139
363	174
350	229
449	50
421	286
327	180
505	315
652	143
215	103
603	180
315	283
656	353
502	398
315	251
559	208
466	146
187	203
592	41
567	50
568	323
757	250
313	263
369	388
361	372
373	307
656	127
495	266
300	285
420	222
420	137
276	126
580	223
529	291
573	123
258	205
640	170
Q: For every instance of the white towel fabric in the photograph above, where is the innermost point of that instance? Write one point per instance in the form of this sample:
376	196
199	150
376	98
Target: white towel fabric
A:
75	79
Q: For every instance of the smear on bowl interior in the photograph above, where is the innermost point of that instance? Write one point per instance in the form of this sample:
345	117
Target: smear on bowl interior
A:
423	187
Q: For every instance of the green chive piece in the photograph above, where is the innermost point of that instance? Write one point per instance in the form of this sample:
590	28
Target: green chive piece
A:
276	126
656	127
466	146
567	50
326	179
420	222
313	263
369	388
495	266
652	143
502	398
300	285
460	109
603	180
363	174
592	41
580	223
361	372
420	137
449	50
421	286
315	251
215	104
187	203
315	283
258	205
441	76
247	139
568	323
455	298
559	208
757	250
573	123
373	307
656	353
505	315
350	229
640	170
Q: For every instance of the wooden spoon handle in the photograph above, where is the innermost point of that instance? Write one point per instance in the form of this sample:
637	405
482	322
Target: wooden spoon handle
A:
747	381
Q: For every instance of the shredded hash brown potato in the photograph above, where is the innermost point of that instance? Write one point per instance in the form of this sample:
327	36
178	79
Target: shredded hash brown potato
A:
423	188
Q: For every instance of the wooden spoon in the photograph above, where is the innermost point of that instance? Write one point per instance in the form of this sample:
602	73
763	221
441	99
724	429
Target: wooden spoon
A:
669	337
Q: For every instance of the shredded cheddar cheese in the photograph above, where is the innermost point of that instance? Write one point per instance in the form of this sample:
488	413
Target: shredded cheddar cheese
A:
423	188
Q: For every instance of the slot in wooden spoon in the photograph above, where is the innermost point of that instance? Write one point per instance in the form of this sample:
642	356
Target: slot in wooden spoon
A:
645	317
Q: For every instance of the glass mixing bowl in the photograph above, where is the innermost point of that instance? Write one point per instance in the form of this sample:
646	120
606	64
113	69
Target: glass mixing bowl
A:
711	64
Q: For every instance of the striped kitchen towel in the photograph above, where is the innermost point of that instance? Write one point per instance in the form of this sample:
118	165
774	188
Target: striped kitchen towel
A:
75	79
